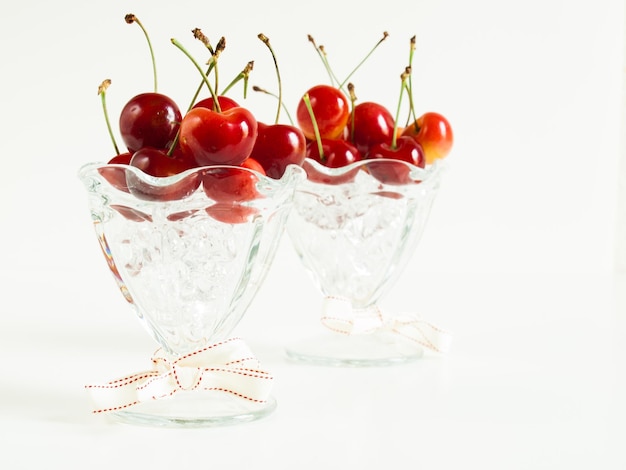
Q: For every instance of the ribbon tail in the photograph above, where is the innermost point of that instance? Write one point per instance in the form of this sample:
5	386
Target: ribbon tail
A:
339	316
251	384
423	333
118	394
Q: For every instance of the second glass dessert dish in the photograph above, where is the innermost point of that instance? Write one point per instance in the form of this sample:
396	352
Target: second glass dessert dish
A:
354	229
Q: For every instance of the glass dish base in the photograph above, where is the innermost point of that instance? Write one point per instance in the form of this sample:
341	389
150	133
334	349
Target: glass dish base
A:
364	350
195	409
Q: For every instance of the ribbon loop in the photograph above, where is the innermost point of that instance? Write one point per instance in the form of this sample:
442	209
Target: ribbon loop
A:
227	366
339	315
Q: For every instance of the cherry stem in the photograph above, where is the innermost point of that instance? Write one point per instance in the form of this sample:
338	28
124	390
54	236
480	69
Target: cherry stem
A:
352	111
204	77
102	89
262	90
409	88
266	41
197	33
316	130
321	52
221	45
409	92
243	75
130	19
403	77
385	35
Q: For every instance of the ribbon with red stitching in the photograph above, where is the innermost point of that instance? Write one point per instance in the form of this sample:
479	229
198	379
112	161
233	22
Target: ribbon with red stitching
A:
340	316
227	366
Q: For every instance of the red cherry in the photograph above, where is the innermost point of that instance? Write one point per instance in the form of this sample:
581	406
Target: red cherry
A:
330	108
117	176
214	138
384	159
157	163
434	133
229	188
337	153
252	164
277	146
149	120
372	124
232	184
224	101
231	213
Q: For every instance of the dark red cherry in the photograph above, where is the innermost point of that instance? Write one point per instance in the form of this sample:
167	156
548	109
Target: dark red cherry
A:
157	163
336	153
385	160
114	175
372	124
278	146
149	120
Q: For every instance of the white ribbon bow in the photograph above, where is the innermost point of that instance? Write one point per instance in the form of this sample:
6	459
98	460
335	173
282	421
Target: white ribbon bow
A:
339	315
227	366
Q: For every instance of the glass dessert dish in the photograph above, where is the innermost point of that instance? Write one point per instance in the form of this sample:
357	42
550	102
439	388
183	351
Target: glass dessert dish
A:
189	266
354	229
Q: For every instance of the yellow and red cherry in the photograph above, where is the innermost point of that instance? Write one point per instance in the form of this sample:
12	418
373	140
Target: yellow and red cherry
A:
330	108
385	158
371	124
218	138
149	120
434	133
278	146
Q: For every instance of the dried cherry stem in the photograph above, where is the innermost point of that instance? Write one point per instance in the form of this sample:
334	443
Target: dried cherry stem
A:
321	52
352	101
266	41
205	79
221	45
403	77
102	90
212	63
316	130
199	35
262	90
385	36
130	19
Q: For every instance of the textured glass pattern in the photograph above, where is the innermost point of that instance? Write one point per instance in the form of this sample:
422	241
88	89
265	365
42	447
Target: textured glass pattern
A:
352	232
189	275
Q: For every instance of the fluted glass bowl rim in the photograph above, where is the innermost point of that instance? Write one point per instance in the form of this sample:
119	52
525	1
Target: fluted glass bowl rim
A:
292	171
415	173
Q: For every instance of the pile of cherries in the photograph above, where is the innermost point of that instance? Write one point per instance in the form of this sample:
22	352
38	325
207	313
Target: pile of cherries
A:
339	134
331	129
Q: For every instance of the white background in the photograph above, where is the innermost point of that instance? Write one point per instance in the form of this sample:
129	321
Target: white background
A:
529	222
533	90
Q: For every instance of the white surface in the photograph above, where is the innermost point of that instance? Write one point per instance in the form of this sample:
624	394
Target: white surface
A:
517	259
536	379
